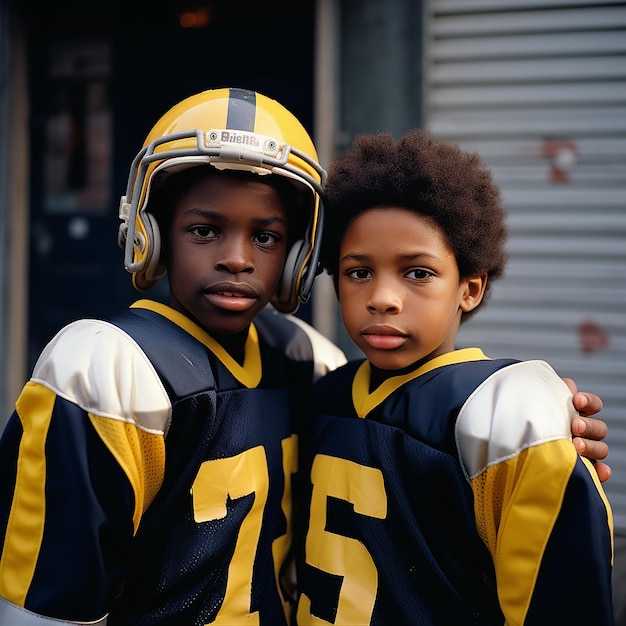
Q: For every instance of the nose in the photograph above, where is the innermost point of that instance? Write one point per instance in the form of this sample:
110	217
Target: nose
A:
236	256
385	297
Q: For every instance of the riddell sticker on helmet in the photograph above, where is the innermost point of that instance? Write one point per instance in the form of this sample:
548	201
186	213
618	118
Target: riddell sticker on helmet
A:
246	139
261	143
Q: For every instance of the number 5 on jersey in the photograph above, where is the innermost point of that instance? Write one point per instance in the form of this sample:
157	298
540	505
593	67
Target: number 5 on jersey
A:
364	488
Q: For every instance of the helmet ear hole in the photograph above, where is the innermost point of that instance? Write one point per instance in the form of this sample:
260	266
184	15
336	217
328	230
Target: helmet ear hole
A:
153	269
287	296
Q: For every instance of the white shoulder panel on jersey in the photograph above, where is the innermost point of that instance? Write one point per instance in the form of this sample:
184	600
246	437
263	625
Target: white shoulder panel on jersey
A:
13	615
517	407
326	355
100	368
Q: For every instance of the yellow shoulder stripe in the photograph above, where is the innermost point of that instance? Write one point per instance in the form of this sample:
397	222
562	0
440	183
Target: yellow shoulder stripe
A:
26	520
516	510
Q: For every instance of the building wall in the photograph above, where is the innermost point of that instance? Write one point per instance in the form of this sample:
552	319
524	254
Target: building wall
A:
538	88
14	198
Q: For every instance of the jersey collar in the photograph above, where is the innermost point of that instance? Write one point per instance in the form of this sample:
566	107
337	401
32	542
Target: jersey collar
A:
248	375
364	401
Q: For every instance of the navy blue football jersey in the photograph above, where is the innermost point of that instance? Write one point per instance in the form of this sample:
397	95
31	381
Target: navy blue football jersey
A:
147	476
450	495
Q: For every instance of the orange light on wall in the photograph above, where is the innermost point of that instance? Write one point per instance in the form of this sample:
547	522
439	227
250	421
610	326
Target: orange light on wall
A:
200	17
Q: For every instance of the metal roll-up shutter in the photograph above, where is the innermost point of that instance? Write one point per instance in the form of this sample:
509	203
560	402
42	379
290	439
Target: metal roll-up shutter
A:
538	88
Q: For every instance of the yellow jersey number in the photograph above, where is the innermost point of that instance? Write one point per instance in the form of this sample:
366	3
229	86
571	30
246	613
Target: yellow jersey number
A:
238	476
363	487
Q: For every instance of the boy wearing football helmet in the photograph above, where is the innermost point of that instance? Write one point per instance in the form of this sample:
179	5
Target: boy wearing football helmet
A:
147	470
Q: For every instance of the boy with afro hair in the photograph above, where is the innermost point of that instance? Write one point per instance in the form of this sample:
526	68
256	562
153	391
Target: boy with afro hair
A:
444	488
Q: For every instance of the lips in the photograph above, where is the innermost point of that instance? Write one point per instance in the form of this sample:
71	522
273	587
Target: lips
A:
232	296
383	337
236	290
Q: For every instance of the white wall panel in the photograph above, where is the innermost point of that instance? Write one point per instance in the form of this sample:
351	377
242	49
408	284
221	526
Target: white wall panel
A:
518	81
527	45
508	22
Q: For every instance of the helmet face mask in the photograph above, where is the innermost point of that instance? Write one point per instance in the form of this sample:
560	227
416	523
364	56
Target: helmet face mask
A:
230	129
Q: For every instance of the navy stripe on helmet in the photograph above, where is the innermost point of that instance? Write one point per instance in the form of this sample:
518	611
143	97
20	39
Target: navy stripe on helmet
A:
241	110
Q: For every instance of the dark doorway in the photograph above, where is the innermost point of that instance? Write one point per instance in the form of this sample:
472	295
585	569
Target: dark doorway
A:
102	73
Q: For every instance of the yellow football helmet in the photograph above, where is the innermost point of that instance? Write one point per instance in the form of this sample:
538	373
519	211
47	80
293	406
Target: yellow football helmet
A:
229	129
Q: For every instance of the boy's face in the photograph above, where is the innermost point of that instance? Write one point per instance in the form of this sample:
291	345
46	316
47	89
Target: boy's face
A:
399	288
227	248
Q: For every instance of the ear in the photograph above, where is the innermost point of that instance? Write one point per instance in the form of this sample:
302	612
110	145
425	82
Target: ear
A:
473	292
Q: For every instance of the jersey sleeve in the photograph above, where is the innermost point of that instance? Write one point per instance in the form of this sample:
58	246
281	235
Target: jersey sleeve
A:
81	458
539	507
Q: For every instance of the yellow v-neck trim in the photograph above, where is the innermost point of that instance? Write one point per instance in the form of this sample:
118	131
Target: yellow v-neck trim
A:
249	374
364	401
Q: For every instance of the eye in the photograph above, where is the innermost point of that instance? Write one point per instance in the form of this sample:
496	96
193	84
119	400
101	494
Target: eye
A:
359	273
419	273
266	238
202	231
